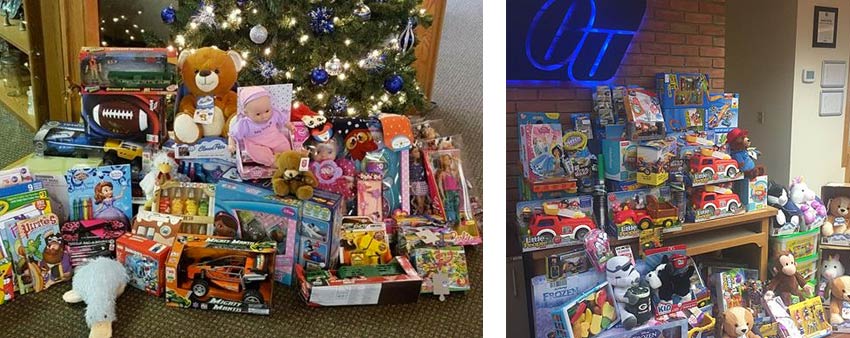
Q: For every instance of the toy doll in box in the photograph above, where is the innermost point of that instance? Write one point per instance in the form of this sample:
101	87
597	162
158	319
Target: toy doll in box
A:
261	128
334	172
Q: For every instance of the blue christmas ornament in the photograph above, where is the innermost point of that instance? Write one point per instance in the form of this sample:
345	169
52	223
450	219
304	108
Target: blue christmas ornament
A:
267	69
241	3
393	84
168	14
319	76
338	105
321	20
406	39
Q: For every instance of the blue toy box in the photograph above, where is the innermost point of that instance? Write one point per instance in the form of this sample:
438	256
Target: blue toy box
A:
721	113
548	296
261	216
321	219
620	159
684	119
682	90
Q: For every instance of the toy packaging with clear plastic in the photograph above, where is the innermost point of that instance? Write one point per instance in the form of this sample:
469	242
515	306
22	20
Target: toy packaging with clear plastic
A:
321	217
555	222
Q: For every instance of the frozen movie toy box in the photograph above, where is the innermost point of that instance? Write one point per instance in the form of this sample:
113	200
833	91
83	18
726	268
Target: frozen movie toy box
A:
549	296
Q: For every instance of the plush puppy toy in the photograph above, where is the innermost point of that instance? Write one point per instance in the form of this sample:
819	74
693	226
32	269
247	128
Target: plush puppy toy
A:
98	283
787	280
738	323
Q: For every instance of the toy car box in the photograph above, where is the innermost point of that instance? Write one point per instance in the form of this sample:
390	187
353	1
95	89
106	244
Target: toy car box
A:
711	202
653	159
144	260
85	240
260	215
620	159
193	202
593	312
321	217
126	116
548	296
128	69
158	227
753	192
67	139
224	274
684	119
394	283
629	212
555	222
721	113
682	90
705	170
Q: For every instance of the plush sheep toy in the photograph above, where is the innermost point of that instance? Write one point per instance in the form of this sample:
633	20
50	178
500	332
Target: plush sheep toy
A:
98	283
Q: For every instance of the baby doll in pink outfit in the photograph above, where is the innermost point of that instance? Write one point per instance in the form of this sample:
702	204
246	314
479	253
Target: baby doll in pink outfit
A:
336	175
262	130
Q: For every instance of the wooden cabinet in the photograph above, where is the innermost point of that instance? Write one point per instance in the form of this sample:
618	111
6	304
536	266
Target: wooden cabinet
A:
517	300
429	45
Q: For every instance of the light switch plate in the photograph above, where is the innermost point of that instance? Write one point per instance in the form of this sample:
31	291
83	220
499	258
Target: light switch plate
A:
808	76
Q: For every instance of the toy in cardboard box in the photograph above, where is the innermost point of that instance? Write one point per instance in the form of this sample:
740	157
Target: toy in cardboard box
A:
588	315
713	167
629	212
363	242
811	317
221	274
321	218
193	202
144	260
788	217
643	112
125	116
556	222
683	119
653	159
128	69
753	192
443	269
620	159
159	227
562	265
682	90
711	202
721	113
673	328
261	129
393	283
100	193
542	153
85	240
67	139
260	216
548	296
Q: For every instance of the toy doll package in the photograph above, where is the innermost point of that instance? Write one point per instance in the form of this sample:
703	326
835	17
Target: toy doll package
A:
261	128
449	191
100	193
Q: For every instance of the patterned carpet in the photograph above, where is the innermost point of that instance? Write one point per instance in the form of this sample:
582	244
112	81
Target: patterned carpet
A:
457	92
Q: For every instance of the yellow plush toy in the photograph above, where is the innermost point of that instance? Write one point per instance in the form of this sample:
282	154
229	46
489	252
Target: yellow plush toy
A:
289	179
209	75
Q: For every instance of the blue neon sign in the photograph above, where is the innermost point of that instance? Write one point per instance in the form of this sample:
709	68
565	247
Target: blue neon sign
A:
570	40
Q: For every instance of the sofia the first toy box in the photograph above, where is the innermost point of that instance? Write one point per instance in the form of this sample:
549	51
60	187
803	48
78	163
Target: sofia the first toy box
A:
257	214
100	193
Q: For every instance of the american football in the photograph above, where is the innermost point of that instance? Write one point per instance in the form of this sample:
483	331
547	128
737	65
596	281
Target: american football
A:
122	116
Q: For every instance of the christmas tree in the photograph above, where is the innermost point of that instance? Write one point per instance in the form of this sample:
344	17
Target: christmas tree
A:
342	57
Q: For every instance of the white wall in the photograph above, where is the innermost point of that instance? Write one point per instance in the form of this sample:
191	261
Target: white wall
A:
759	65
816	142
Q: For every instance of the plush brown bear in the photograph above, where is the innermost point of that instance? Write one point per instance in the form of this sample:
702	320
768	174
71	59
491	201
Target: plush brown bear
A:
288	179
787	280
840	293
738	322
838	209
209	75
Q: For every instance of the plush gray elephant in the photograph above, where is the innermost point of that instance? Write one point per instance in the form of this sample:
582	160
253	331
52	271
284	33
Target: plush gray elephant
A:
98	283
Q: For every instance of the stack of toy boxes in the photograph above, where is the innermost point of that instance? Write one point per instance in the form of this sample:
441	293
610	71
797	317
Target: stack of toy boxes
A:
144	260
321	217
620	159
261	216
541	154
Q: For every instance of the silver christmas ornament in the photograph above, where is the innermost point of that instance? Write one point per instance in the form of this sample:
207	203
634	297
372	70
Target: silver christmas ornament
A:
407	38
333	66
363	12
259	34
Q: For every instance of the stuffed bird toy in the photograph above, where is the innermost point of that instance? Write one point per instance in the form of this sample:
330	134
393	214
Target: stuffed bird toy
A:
98	283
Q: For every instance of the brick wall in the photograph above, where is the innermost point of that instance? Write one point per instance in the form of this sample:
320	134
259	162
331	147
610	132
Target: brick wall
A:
676	36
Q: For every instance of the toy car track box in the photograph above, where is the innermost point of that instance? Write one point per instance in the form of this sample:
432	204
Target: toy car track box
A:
125	116
256	214
753	192
85	240
548	296
629	212
321	218
674	328
223	274
711	202
653	158
721	113
128	69
684	119
194	202
588	315
682	90
645	120
363	242
555	222
393	283
620	159
144	260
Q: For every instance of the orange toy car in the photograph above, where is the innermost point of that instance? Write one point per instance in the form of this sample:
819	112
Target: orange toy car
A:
234	273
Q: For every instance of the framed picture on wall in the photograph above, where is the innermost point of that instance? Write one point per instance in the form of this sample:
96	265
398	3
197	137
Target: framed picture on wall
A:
824	27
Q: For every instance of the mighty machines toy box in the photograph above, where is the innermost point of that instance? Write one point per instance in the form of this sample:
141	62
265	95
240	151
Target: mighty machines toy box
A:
393	283
144	260
223	274
553	223
321	218
259	215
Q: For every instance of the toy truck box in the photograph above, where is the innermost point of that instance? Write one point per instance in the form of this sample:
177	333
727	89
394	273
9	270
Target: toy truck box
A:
394	283
711	202
620	159
629	212
653	161
682	90
548	296
193	202
555	222
128	69
713	169
126	116
259	215
592	312
144	260
321	218
222	274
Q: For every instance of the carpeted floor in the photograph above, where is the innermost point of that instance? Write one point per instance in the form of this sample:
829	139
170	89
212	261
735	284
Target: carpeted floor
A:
458	93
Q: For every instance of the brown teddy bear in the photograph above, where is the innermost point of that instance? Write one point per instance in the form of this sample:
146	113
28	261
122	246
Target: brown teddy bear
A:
840	293
288	179
209	75
836	219
738	322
